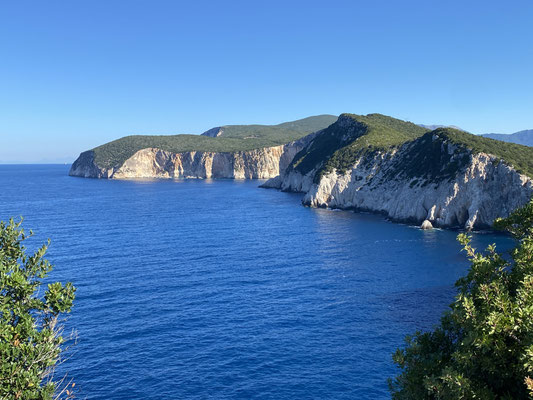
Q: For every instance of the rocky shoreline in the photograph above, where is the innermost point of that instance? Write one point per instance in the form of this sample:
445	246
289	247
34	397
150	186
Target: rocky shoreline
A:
433	179
262	163
481	191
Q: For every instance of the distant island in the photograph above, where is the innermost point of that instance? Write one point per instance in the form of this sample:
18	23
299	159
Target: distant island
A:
523	137
442	177
230	151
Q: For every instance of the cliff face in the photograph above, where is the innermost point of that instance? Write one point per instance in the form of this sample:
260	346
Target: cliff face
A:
459	188
86	167
155	163
372	163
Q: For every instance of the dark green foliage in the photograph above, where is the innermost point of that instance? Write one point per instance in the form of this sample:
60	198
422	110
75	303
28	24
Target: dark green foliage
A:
339	146
519	156
433	156
483	347
30	333
430	158
279	132
442	153
234	138
327	142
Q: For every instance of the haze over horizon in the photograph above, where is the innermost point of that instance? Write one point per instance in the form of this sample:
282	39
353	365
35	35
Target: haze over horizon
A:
76	75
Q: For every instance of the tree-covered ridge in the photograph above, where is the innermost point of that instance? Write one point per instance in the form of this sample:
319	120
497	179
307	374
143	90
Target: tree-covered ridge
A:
302	126
518	156
442	153
341	144
233	138
430	158
431	155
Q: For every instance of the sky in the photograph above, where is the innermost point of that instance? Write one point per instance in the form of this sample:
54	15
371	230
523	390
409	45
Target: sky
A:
77	74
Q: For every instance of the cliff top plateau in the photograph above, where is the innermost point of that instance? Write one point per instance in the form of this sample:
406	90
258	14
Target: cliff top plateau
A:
228	138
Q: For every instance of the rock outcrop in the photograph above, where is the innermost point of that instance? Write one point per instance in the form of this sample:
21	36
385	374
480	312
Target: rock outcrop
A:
426	225
155	163
86	167
466	190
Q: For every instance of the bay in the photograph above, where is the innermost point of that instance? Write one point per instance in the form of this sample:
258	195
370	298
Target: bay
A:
199	289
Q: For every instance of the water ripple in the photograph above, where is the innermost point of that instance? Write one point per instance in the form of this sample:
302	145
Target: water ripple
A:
203	289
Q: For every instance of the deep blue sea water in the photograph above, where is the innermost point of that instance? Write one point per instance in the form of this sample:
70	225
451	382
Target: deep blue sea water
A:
218	289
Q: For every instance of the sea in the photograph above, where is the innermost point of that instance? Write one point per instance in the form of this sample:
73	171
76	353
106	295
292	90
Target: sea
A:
218	289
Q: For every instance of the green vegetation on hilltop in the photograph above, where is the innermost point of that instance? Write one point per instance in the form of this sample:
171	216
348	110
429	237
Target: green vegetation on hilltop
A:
429	159
339	146
326	143
517	155
280	132
354	136
382	133
234	138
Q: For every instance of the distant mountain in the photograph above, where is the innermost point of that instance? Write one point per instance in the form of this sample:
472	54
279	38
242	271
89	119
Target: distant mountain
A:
522	137
433	127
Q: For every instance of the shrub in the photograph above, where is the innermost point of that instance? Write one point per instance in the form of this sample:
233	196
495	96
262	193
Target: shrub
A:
483	347
31	340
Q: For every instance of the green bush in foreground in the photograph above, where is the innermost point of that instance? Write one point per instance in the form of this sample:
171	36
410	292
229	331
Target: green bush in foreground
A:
483	347
30	333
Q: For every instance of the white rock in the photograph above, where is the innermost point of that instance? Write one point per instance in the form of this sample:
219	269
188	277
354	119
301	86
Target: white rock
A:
426	225
478	194
262	163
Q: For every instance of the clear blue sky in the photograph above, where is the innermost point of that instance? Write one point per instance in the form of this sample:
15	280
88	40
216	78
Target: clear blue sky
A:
76	74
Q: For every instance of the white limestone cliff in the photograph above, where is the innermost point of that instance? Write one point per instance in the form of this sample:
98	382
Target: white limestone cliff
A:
483	190
155	163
